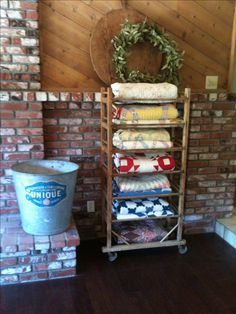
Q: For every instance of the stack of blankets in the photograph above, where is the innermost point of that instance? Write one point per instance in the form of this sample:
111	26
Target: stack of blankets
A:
145	104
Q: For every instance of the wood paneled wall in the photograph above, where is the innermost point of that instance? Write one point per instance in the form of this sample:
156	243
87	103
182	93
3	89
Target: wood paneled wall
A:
203	29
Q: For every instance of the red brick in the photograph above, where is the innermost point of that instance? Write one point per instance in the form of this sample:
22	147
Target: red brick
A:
16	156
62	256
61	105
47	266
5	76
12	106
208	142
8	148
62	273
37	155
70	137
35	106
57	144
7	115
8	279
36	123
91	152
35	276
15	123
29	5
8	261
28	115
32	15
54	114
81	144
76	97
57	129
13	85
229	127
34	131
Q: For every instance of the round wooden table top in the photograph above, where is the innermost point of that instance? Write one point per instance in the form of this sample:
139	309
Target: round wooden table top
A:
142	56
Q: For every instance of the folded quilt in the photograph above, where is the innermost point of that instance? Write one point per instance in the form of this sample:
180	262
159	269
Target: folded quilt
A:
141	145
144	90
142	183
117	192
140	139
143	135
150	122
139	232
137	113
141	208
138	164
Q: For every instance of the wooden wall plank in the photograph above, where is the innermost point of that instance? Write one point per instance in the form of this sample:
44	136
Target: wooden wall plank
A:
71	56
232	63
77	11
68	77
202	28
182	28
202	19
66	29
104	6
223	10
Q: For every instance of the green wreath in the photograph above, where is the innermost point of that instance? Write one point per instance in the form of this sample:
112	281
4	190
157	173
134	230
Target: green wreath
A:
131	34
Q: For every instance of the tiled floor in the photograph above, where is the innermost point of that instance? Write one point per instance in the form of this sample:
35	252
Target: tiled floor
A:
226	229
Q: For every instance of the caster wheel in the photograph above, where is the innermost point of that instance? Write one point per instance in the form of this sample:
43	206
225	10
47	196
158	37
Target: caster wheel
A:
112	256
183	249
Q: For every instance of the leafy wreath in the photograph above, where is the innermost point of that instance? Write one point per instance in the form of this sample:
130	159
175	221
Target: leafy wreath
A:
131	34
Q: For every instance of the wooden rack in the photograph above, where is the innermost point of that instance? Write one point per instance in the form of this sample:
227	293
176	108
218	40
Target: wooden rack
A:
107	151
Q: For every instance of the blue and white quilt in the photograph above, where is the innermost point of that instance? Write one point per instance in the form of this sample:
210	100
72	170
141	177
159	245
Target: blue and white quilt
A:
141	208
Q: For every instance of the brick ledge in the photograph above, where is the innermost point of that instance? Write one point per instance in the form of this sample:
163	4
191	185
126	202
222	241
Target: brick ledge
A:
27	258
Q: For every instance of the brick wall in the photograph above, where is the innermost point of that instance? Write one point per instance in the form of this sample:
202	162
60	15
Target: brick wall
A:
72	132
65	125
211	162
22	139
19	45
38	125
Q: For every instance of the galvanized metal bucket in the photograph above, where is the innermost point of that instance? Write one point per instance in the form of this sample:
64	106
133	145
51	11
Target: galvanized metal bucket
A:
45	191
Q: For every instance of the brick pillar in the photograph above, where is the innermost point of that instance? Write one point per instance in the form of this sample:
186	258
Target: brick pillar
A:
19	42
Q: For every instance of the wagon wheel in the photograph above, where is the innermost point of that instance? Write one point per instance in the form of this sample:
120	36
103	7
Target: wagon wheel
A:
182	249
112	256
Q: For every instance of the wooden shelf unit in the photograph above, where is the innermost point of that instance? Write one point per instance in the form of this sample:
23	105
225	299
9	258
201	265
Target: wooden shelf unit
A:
107	150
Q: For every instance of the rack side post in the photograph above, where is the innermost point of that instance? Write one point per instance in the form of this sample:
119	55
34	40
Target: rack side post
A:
187	93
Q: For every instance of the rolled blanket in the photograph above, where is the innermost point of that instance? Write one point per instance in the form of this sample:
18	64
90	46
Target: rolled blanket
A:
139	164
140	139
142	182
138	113
144	91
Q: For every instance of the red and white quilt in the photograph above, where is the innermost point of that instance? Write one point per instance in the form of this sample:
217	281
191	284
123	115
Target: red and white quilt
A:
141	164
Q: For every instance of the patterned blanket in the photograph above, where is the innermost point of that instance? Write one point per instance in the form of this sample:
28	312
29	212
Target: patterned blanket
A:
137	113
151	122
144	135
142	183
141	208
140	164
144	91
142	139
139	231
